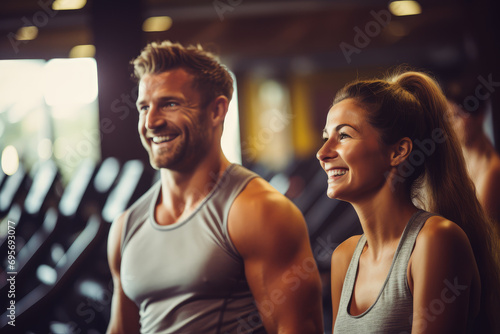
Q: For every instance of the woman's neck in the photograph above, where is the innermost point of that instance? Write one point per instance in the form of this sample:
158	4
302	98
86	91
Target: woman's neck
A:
383	219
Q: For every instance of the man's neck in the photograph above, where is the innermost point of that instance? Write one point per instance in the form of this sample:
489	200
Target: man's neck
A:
183	190
477	151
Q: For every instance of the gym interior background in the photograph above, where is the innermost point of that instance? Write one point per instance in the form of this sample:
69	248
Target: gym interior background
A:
71	156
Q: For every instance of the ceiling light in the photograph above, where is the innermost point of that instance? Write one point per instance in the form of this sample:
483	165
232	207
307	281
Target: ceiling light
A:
405	8
157	23
68	4
27	33
10	160
82	51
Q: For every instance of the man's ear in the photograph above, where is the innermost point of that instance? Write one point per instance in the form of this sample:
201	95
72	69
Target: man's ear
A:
401	151
218	110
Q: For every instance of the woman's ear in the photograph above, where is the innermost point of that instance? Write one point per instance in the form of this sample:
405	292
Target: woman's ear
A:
401	151
219	110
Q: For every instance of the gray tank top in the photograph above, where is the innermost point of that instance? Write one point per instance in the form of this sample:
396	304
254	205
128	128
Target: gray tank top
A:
188	277
392	311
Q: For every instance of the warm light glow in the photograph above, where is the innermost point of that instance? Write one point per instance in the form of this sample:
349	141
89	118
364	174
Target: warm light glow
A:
27	33
70	81
59	148
405	8
157	23
68	4
45	149
20	87
10	160
82	51
230	141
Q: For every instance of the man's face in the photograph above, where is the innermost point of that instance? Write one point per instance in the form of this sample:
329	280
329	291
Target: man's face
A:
173	128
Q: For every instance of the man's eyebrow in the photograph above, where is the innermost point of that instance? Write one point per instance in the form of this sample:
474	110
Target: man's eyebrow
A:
162	99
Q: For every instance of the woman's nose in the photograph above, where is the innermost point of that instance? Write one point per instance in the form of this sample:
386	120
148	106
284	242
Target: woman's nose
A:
326	152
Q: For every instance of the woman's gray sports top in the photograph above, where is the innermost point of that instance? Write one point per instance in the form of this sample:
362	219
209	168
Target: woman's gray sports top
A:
392	311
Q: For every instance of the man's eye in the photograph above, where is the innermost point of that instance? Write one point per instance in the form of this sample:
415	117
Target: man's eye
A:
325	139
143	108
172	104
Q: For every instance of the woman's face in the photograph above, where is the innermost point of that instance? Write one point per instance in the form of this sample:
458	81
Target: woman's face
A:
352	154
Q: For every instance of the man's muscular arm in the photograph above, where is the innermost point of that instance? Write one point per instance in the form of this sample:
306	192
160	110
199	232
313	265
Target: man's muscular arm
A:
271	235
124	312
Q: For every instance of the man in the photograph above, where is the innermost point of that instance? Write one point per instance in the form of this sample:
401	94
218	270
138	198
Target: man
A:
481	157
211	248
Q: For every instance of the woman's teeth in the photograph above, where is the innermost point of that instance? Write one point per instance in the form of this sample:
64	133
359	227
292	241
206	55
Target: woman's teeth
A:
336	172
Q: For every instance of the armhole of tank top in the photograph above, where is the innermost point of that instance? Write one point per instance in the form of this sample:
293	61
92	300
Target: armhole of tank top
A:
225	224
426	215
224	305
125	232
128	224
350	278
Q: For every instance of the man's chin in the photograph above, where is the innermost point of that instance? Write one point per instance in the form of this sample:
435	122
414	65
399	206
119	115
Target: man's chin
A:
175	166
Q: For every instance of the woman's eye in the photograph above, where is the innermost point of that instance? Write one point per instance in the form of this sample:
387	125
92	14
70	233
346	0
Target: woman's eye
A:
343	135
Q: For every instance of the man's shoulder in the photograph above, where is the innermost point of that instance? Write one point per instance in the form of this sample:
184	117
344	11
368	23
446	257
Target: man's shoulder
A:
261	218
261	207
259	193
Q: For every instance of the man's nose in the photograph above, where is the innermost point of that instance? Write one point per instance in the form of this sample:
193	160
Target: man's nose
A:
154	118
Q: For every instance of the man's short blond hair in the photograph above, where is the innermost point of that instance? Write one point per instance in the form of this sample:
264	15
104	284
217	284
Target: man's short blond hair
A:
211	78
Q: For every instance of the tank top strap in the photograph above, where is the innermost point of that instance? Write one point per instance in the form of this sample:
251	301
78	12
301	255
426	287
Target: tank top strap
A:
408	239
230	185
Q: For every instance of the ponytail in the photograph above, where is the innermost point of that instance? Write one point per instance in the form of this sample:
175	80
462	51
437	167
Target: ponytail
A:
451	192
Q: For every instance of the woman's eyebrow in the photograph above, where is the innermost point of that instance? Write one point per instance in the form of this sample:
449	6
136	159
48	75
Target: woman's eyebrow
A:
340	126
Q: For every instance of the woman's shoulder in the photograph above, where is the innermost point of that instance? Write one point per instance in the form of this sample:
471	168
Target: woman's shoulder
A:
342	255
442	240
438	228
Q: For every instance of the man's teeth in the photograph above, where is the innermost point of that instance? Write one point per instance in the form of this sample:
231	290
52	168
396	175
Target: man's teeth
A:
336	172
161	139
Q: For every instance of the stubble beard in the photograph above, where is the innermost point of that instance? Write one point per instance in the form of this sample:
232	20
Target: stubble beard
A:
183	156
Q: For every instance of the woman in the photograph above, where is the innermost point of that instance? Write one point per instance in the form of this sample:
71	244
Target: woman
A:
390	151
